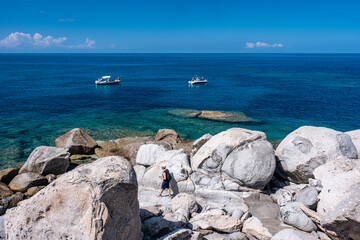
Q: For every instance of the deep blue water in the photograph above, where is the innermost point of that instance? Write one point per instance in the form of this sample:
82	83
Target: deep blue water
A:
44	95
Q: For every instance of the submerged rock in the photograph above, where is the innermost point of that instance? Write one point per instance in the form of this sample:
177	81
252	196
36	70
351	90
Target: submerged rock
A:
308	147
221	116
47	160
77	141
105	208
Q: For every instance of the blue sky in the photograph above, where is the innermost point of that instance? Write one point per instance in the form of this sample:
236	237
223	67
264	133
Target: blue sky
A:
159	26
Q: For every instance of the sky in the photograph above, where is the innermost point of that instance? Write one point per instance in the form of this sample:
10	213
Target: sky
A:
186	26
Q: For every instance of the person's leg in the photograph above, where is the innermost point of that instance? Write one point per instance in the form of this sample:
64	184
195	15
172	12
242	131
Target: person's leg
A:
161	192
169	192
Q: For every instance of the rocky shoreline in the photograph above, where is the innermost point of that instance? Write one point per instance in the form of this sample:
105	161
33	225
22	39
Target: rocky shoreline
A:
232	185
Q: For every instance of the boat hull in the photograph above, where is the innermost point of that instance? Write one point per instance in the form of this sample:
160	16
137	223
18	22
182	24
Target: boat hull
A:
198	82
108	83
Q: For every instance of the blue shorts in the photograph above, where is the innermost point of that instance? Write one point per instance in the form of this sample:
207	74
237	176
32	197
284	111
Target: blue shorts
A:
165	185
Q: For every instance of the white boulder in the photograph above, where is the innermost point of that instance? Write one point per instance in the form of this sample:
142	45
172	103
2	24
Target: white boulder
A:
93	201
308	147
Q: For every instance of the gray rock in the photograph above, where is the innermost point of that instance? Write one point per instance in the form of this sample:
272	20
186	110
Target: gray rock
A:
216	236
308	196
323	236
253	226
237	236
12	201
2	210
221	223
24	181
196	236
77	141
291	234
93	201
230	154
149	212
355	137
309	147
294	216
47	160
179	234
237	213
156	226
176	162
345	216
185	201
252	165
2	229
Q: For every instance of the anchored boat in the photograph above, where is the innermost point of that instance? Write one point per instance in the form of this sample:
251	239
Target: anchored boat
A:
106	80
196	80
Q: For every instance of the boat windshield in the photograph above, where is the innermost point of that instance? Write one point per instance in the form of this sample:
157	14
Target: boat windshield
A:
105	77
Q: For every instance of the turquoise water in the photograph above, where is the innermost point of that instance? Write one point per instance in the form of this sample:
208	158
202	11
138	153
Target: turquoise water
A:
44	95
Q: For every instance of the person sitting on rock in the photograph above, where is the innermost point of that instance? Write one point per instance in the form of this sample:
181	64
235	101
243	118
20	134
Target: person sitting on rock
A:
166	177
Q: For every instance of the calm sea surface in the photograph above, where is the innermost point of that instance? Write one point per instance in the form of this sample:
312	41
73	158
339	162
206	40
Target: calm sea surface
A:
43	96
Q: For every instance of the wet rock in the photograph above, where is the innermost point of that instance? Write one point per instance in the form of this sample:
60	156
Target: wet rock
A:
77	141
24	181
45	160
7	175
106	207
309	147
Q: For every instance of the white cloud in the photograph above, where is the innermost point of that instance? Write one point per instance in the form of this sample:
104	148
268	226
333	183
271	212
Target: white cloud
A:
25	39
19	39
88	44
261	44
66	20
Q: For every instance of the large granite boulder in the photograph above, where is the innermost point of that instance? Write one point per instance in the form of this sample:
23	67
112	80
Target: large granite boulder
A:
24	181
7	175
338	177
168	135
199	143
77	141
355	137
309	147
345	216
47	160
151	157
339	200
93	201
233	155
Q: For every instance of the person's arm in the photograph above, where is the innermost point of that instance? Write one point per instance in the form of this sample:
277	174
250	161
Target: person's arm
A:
163	177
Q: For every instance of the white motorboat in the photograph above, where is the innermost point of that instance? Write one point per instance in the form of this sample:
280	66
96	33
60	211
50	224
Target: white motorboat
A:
106	80
196	80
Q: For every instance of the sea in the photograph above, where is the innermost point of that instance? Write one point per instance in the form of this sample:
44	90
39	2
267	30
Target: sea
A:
42	96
